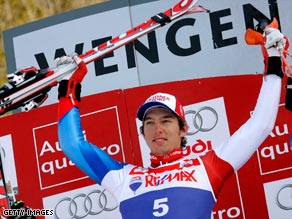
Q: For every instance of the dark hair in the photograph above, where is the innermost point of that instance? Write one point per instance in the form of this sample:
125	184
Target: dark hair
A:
181	123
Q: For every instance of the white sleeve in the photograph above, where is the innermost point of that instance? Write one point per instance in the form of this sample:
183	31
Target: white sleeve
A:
245	141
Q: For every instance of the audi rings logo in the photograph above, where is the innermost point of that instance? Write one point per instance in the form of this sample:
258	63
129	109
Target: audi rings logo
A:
284	197
82	205
204	120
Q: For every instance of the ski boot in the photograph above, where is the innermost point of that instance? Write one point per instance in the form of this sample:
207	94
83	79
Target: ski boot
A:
19	80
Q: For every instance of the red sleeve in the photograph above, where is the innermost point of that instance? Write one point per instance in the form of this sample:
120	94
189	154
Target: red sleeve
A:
218	171
65	104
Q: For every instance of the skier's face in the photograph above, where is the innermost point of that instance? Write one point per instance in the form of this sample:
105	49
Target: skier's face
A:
161	131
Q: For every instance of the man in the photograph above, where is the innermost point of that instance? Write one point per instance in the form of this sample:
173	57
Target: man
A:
173	187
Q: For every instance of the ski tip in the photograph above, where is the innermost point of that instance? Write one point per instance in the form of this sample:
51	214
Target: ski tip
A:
197	8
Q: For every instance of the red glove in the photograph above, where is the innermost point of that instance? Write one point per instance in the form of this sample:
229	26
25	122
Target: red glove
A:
70	86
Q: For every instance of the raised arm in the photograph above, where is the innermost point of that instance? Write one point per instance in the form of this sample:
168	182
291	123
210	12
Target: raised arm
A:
245	141
89	158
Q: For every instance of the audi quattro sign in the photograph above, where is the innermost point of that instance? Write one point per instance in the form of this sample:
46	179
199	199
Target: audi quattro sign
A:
276	148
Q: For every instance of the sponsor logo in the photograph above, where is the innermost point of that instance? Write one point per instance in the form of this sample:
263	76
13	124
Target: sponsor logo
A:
83	204
203	120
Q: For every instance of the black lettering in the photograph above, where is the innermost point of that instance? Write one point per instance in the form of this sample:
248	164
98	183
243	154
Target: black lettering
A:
251	14
100	68
61	52
172	44
151	53
274	11
217	29
41	60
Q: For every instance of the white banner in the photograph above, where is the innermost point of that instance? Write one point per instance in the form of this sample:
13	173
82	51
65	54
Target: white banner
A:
196	46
